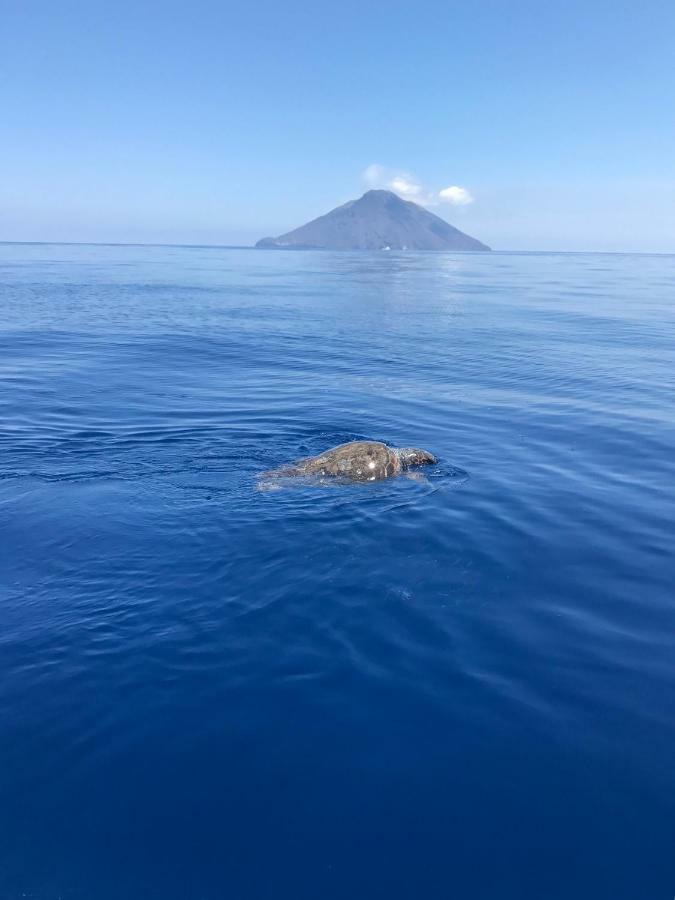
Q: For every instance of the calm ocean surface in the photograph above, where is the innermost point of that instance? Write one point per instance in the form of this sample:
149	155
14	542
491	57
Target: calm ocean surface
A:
460	687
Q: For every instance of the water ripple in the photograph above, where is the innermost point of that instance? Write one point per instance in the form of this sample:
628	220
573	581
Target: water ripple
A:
189	661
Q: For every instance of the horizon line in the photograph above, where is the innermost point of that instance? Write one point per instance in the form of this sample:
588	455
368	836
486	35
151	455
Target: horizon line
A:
326	250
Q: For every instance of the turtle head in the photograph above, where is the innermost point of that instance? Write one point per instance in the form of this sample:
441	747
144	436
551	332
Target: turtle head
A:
411	456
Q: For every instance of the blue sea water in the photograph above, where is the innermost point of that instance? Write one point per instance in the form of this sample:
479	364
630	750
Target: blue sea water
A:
455	687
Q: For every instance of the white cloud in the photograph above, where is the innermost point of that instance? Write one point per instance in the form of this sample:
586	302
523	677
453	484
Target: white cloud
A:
458	196
409	187
403	186
374	175
401	183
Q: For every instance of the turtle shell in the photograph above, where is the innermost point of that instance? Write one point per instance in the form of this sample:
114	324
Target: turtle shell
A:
356	461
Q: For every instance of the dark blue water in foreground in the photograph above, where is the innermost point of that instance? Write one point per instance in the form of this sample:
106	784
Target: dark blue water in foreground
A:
461	687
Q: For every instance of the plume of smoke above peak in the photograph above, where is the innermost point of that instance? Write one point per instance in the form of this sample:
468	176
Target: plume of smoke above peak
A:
402	183
410	187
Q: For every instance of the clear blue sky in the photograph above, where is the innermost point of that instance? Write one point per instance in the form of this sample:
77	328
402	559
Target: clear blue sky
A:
223	122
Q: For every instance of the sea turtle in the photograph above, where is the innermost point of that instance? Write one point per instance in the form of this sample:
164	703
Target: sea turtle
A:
357	461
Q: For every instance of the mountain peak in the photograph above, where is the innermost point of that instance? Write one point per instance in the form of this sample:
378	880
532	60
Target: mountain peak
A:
380	195
379	192
378	220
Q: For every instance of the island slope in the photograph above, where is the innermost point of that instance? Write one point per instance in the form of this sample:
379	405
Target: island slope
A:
379	220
